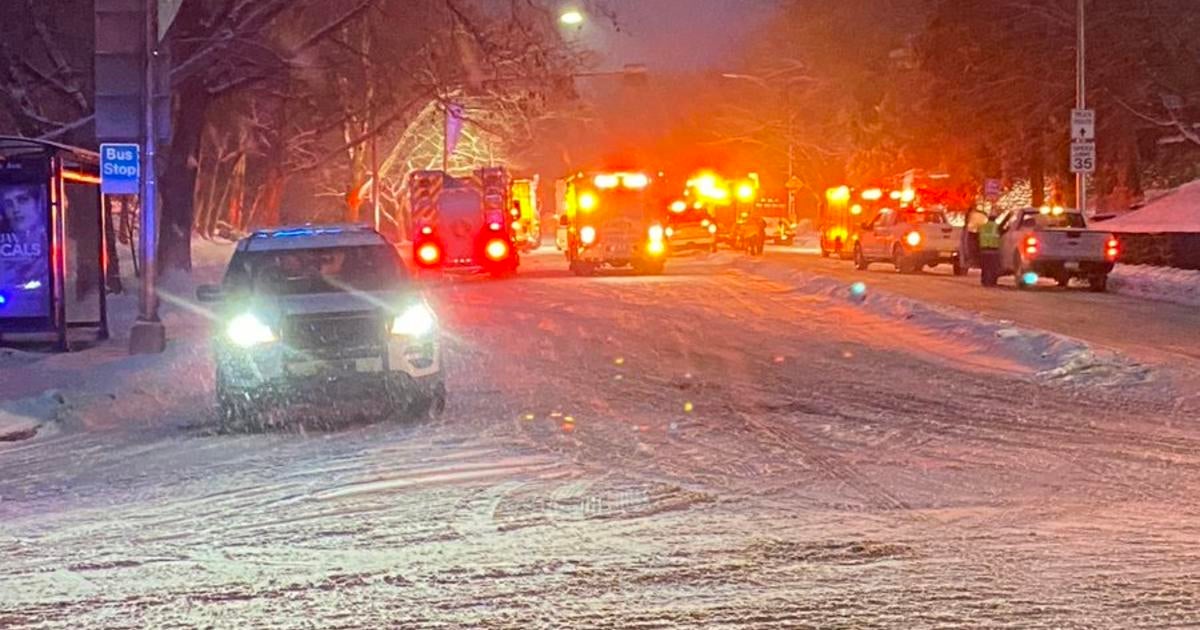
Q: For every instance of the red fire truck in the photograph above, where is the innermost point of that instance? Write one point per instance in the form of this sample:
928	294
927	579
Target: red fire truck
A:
461	223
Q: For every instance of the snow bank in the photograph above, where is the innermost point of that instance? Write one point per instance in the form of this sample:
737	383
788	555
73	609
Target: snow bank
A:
1176	212
1050	357
1165	284
21	419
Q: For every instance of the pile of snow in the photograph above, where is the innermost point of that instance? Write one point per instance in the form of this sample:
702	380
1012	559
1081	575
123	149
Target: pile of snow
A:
22	419
1177	212
1165	284
1051	357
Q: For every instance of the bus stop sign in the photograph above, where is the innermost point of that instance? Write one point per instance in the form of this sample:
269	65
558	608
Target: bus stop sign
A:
120	169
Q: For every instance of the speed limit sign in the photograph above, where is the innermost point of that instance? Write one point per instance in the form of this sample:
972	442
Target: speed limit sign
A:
1083	157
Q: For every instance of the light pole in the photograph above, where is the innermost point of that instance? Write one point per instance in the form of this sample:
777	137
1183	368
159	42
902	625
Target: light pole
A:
791	121
1080	99
148	336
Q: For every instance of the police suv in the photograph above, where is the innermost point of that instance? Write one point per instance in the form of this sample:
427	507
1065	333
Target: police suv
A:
321	315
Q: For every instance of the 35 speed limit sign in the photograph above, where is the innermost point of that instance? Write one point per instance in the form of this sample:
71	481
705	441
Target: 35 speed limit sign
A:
1083	157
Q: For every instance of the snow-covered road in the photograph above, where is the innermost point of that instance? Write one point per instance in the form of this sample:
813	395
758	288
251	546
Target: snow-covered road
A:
721	446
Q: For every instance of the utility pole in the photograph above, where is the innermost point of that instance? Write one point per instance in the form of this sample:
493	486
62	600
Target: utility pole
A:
791	132
1080	99
148	336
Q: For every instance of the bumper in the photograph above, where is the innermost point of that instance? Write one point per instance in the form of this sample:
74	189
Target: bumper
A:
616	253
685	244
1052	268
282	374
931	256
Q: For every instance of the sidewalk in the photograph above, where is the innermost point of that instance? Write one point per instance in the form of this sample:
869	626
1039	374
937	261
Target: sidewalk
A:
103	386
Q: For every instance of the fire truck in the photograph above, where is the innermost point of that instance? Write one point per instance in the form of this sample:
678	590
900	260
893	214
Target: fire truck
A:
730	202
845	209
526	227
613	219
461	223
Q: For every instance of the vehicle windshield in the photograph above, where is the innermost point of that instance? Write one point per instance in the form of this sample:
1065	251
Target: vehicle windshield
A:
923	217
1051	221
317	270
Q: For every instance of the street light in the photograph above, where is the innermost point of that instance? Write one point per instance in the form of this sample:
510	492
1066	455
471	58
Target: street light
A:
571	17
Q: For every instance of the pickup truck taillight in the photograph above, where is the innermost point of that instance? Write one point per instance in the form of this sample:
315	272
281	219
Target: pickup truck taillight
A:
1031	246
1112	249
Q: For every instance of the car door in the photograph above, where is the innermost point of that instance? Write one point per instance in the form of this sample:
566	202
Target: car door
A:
881	234
866	236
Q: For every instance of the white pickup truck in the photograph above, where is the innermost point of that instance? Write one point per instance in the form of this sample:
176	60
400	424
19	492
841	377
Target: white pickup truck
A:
910	240
1055	243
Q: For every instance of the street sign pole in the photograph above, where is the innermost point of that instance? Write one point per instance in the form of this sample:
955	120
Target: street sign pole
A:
1080	101
148	335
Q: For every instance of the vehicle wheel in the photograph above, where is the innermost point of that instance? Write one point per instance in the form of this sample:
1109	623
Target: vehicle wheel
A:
581	268
825	253
860	260
235	413
959	268
428	406
1063	280
902	263
1098	284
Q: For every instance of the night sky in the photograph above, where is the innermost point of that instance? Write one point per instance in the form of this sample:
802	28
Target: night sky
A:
678	35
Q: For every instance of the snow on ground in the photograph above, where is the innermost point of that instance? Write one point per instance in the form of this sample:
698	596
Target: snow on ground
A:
1177	211
969	338
103	386
1165	284
21	419
707	448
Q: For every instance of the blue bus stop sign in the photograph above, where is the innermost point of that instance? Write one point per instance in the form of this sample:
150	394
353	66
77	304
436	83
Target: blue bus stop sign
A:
120	169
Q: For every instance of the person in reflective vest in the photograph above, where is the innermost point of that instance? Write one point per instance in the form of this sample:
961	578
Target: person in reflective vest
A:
989	252
975	219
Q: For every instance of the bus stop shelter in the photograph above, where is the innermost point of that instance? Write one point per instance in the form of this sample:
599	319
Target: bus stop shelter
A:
53	249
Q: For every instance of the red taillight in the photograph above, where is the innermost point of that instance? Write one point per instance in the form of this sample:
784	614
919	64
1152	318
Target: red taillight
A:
1112	249
1031	245
496	250
429	254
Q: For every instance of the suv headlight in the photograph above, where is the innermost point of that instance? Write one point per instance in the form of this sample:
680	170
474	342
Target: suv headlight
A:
416	321
247	331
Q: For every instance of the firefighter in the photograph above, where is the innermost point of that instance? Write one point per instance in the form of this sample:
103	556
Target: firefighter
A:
989	251
752	233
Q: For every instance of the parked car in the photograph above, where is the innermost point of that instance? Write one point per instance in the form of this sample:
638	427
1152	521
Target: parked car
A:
909	239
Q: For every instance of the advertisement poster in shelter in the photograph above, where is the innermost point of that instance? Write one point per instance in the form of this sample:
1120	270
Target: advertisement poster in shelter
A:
24	245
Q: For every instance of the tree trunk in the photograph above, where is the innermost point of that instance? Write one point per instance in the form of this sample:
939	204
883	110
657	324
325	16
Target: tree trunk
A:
177	181
1037	171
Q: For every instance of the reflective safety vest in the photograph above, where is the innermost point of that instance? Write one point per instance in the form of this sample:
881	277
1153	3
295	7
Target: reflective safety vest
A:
989	235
